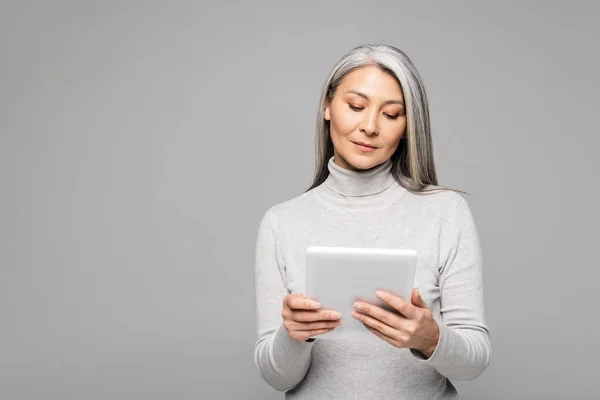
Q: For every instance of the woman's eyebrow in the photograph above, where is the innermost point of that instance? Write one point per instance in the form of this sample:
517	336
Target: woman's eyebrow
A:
364	96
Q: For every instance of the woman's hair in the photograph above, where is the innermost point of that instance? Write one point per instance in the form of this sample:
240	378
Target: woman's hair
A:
413	165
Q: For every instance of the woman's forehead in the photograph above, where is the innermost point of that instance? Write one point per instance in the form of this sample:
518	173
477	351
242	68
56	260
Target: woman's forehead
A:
371	82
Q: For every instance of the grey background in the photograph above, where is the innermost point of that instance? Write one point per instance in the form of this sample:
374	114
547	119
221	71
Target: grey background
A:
140	144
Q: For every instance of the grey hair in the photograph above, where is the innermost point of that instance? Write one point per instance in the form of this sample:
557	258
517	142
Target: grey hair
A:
413	164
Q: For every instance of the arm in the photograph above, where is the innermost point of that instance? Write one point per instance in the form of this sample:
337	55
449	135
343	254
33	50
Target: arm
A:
464	349
281	360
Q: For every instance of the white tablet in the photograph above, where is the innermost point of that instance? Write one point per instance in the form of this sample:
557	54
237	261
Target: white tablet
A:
337	277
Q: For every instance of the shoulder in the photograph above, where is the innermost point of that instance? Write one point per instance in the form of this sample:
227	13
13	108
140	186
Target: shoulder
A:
289	209
443	203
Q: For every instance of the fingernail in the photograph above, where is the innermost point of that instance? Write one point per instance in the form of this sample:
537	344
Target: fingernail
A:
379	293
316	305
335	315
359	306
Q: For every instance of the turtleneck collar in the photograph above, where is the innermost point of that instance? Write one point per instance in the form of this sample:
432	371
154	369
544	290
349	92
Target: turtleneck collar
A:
350	183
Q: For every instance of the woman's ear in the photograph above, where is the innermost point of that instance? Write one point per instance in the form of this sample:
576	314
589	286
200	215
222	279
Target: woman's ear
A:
327	111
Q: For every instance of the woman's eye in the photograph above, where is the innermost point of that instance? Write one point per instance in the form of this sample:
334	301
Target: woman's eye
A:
388	116
354	108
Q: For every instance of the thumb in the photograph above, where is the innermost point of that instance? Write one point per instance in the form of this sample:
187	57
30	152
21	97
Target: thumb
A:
417	300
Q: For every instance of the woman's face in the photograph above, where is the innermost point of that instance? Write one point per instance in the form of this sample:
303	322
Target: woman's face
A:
367	118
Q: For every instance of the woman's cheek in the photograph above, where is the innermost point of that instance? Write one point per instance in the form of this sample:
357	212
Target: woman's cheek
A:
348	123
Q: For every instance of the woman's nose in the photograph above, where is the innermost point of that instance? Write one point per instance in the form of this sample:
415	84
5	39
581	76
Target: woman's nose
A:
369	124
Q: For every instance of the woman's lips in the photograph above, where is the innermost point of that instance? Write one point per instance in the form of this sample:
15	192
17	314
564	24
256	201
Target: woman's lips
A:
364	147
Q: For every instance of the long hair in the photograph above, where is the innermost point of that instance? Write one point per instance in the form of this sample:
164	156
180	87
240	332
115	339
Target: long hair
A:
413	164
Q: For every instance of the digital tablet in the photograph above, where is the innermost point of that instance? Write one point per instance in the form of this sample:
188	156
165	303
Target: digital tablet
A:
337	277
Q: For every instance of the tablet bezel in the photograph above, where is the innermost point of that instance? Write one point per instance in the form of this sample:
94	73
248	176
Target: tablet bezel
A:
364	270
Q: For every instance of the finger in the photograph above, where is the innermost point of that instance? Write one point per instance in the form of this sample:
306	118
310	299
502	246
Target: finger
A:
385	316
313	316
301	302
388	339
311	326
399	304
417	300
318	332
304	335
376	324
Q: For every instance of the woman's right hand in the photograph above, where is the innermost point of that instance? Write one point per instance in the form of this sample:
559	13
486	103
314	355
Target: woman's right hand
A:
303	317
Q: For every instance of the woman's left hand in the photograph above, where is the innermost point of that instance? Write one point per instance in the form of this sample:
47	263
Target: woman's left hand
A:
415	328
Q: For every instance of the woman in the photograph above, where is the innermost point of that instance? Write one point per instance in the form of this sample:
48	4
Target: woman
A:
375	185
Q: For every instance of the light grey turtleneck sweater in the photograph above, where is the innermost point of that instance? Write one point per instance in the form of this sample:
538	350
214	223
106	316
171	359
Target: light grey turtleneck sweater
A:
369	209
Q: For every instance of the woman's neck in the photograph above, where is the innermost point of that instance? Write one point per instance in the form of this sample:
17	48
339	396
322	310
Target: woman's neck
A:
358	183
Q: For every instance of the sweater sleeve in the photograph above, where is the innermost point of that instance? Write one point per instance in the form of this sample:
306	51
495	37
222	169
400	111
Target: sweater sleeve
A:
464	349
281	360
